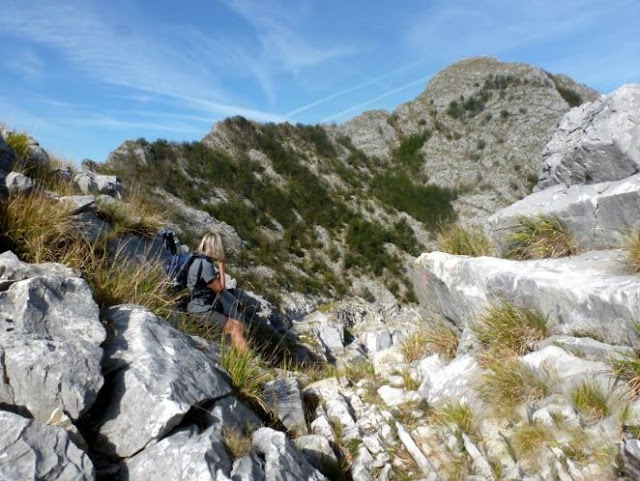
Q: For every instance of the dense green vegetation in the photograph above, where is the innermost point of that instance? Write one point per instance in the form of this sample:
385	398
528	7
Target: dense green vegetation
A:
278	214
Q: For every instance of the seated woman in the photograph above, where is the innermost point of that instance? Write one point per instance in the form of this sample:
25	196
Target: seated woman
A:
207	286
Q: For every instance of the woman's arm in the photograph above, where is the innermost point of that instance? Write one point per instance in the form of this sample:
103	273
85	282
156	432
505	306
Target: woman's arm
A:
221	275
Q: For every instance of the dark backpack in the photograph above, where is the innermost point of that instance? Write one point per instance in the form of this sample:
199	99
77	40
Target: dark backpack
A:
177	269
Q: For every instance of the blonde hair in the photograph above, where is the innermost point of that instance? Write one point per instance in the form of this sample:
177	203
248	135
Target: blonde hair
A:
211	245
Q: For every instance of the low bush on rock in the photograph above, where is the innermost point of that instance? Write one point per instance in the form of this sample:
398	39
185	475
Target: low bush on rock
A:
511	328
539	237
464	242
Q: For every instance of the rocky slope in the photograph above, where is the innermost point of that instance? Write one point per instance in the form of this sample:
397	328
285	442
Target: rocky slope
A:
306	199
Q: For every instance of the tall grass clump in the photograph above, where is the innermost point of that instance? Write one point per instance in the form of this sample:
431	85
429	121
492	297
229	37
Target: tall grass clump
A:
132	215
36	228
591	400
539	237
237	443
457	414
247	374
631	247
438	339
458	240
527	440
511	328
510	382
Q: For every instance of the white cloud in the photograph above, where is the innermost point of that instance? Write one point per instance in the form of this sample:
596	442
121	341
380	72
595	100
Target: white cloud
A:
137	59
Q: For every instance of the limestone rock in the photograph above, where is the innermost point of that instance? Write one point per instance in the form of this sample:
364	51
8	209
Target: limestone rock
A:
322	333
185	454
453	382
283	395
79	203
372	133
50	336
598	216
36	156
317	450
230	412
156	374
7	156
283	462
31	450
91	183
588	348
630	454
596	142
585	294
377	340
16	182
248	468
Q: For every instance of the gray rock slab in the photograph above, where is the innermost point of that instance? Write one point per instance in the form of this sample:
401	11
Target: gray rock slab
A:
598	216
79	203
92	183
588	348
630	454
157	374
283	395
248	468
453	382
317	450
595	142
230	412
32	450
13	269
377	340
589	294
15	182
50	337
90	226
322	333
283	462
184	455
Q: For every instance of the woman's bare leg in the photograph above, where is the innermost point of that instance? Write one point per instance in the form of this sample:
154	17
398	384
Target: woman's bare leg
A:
234	328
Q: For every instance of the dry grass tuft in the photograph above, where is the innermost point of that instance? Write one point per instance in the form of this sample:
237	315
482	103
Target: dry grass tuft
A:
237	443
427	340
540	237
248	374
456	414
510	382
410	384
37	228
358	370
527	440
132	215
591	400
508	327
465	242
631	246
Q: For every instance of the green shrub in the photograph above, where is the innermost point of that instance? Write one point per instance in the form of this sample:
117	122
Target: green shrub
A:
508	327
539	237
19	143
459	240
408	153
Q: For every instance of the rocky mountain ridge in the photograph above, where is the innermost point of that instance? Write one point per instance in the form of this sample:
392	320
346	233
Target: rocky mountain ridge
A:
467	146
514	369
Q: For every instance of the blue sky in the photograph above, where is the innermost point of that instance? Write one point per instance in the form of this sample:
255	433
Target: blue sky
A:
82	76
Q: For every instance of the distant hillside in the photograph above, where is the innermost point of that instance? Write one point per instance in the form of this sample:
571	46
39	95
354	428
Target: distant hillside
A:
325	210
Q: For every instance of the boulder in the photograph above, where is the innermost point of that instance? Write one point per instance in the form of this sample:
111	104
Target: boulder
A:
15	182
156	374
248	468
596	142
79	203
32	450
283	462
317	450
589	294
50	336
7	156
598	216
454	382
283	395
230	412
185	454
91	183
568	370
